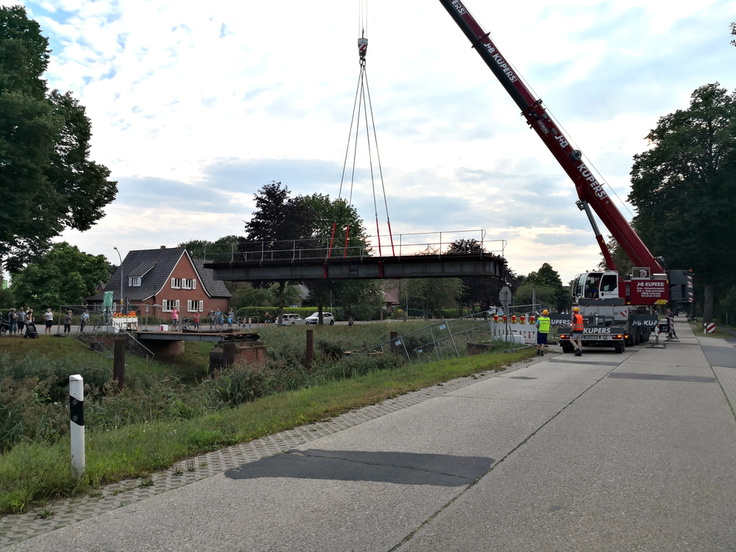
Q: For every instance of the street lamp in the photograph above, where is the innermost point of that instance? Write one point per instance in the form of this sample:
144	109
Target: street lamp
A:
121	278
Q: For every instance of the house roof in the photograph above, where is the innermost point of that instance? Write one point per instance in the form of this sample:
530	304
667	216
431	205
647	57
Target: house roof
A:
155	266
215	288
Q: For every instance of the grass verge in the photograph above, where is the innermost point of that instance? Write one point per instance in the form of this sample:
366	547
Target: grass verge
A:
32	473
722	331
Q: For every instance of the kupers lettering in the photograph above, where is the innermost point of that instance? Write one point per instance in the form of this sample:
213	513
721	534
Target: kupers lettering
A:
505	67
459	7
594	184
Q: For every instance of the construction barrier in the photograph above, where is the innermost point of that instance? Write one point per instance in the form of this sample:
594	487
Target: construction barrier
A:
519	330
710	327
125	322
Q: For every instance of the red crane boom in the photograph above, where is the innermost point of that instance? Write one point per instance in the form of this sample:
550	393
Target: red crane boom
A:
589	190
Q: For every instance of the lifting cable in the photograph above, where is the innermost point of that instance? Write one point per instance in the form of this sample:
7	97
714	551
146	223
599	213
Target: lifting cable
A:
363	102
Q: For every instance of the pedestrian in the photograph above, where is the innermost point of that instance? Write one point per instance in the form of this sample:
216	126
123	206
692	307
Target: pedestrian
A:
576	337
68	322
249	322
196	321
48	318
350	321
12	321
83	320
211	317
542	331
268	317
175	317
21	320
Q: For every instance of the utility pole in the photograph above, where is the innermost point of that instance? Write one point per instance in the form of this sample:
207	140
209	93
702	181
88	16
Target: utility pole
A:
121	278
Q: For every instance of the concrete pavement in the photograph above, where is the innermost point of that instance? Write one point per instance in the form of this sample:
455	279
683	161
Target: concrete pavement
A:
635	451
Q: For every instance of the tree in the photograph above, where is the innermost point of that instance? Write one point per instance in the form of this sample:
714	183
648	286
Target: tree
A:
278	217
620	259
278	221
727	306
246	295
528	291
478	291
336	225
549	288
431	295
733	33
47	182
682	188
63	276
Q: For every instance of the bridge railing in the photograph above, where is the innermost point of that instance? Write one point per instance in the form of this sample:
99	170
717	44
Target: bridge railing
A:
325	248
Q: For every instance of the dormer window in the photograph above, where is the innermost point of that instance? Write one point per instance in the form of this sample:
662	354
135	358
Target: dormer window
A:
134	282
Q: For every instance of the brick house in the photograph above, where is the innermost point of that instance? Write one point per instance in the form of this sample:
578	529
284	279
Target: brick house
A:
155	281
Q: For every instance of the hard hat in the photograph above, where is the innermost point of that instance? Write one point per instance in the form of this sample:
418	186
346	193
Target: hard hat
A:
545	312
575	309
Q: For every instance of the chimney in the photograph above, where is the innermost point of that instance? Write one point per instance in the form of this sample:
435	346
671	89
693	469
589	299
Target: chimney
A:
163	247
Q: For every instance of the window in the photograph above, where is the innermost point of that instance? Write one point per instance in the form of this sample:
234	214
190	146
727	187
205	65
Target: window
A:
195	306
134	282
187	283
176	283
168	305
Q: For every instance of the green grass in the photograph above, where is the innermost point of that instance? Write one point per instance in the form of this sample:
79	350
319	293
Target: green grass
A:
33	472
722	331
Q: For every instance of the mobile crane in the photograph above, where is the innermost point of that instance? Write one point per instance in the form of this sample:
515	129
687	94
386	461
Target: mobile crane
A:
629	300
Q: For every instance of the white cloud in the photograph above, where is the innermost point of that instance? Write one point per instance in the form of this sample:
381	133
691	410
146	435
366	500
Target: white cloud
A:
195	106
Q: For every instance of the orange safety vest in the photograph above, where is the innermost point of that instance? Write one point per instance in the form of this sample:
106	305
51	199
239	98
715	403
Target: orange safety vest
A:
577	322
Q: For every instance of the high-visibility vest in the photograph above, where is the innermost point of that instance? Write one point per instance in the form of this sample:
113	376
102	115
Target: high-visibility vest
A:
577	322
543	322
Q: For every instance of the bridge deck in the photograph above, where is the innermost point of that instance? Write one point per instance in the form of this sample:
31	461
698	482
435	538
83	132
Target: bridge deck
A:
215	337
366	268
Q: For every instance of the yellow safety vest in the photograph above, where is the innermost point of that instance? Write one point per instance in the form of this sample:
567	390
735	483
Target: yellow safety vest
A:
543	324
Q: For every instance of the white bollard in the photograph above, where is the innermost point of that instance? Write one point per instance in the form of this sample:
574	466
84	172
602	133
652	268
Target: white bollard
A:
76	411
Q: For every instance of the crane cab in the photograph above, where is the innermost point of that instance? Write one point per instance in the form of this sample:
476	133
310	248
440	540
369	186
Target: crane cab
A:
602	284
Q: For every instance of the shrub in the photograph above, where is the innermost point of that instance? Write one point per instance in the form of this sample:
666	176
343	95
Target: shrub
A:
238	385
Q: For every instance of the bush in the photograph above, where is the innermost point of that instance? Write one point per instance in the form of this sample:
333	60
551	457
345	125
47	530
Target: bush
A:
238	385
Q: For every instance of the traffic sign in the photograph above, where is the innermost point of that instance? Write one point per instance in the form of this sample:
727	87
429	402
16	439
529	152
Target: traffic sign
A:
505	297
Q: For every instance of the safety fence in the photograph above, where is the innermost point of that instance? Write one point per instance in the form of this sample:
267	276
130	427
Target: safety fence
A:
407	244
449	338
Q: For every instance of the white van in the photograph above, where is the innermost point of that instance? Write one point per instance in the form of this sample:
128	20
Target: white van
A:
291	319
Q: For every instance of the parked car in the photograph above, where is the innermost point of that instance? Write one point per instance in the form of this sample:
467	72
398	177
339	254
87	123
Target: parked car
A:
291	319
327	318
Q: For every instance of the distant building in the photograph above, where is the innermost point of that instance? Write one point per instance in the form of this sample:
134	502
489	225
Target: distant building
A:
390	290
156	281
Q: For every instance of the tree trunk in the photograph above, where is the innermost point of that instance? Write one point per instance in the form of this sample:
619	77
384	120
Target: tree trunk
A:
708	302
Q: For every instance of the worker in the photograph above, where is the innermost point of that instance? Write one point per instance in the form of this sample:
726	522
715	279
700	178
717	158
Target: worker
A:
576	337
542	331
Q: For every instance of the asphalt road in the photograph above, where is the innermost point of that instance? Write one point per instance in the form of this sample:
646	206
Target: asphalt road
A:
630	452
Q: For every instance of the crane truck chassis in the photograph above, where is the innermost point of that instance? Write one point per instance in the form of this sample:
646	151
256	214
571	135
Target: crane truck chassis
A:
607	323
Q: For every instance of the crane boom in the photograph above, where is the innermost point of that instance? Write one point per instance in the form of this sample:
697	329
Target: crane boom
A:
589	190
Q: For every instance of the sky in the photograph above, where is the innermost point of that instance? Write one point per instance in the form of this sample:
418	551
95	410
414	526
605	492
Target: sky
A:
195	106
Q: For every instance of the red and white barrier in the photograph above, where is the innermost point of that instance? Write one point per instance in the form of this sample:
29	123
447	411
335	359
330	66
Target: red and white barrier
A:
709	327
523	331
